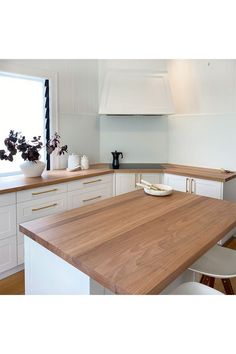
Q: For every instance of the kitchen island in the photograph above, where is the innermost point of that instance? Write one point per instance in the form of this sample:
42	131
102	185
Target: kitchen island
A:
129	244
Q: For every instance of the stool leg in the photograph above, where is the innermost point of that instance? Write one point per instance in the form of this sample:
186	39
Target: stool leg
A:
228	286
204	280
211	282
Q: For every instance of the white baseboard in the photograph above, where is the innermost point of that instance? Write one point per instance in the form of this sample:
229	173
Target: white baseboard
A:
9	272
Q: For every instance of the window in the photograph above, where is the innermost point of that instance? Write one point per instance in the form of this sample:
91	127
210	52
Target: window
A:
22	108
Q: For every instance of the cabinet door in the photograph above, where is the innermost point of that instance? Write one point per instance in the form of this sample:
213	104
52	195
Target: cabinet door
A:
8	257
207	188
179	183
151	177
125	183
7	221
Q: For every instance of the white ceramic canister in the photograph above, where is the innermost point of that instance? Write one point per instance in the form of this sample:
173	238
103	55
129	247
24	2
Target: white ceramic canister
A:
73	161
84	163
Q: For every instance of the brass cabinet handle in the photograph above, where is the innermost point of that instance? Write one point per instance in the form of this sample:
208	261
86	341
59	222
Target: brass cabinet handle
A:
96	180
186	185
193	182
87	200
45	207
48	191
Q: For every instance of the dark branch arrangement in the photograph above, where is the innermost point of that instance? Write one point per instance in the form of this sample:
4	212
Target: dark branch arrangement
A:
30	150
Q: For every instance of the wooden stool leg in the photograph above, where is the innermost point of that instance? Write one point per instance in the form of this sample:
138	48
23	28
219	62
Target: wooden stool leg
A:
204	280
228	286
211	282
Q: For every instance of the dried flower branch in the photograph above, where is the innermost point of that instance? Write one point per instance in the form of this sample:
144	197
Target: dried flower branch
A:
30	150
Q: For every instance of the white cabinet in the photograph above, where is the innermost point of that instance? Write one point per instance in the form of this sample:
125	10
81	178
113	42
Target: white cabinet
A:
89	190
178	183
197	186
7	221
207	188
126	182
8	253
80	198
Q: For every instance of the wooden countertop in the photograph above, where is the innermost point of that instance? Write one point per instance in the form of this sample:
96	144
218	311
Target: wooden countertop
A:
135	243
19	182
199	172
189	171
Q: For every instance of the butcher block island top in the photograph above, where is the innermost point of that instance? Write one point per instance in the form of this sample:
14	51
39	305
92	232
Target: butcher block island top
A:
135	243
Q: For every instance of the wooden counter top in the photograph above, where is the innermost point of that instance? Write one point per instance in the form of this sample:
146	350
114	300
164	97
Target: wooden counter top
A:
19	182
135	243
189	171
199	172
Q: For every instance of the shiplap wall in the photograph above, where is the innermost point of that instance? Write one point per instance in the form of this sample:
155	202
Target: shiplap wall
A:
77	88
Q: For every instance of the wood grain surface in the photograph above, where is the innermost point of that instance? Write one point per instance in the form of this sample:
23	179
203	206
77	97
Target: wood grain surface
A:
135	243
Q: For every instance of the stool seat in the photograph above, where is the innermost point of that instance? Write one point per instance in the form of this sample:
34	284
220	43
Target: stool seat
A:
218	262
193	288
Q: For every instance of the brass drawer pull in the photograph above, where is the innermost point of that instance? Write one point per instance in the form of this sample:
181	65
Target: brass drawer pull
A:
193	186
96	180
87	200
45	207
49	191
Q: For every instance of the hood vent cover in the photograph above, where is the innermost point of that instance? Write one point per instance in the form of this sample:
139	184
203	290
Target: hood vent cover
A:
136	92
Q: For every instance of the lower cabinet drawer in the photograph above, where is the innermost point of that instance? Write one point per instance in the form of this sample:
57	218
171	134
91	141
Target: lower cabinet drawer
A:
80	198
20	254
8	256
38	208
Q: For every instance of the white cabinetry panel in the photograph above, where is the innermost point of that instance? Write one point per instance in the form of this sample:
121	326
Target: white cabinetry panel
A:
178	183
207	188
7	199
80	198
8	257
41	192
34	209
125	183
89	183
7	221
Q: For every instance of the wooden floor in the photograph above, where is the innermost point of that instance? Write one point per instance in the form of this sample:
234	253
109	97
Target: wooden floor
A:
14	285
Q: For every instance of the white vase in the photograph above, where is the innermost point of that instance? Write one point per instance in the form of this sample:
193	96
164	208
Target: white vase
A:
32	169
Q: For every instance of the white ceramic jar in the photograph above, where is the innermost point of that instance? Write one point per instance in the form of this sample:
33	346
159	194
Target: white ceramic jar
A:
73	161
84	163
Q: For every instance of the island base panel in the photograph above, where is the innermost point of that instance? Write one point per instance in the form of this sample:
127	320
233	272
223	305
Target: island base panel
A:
48	274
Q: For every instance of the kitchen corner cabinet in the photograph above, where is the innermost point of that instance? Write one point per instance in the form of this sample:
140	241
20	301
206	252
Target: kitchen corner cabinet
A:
126	182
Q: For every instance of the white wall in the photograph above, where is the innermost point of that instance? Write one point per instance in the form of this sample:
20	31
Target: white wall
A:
140	138
77	89
203	131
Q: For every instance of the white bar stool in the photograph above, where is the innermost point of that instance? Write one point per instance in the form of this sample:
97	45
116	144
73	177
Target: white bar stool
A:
194	288
218	262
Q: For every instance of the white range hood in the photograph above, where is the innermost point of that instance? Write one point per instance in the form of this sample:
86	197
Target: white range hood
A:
135	92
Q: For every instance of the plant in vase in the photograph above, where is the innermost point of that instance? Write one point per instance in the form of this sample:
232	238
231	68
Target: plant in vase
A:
32	167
